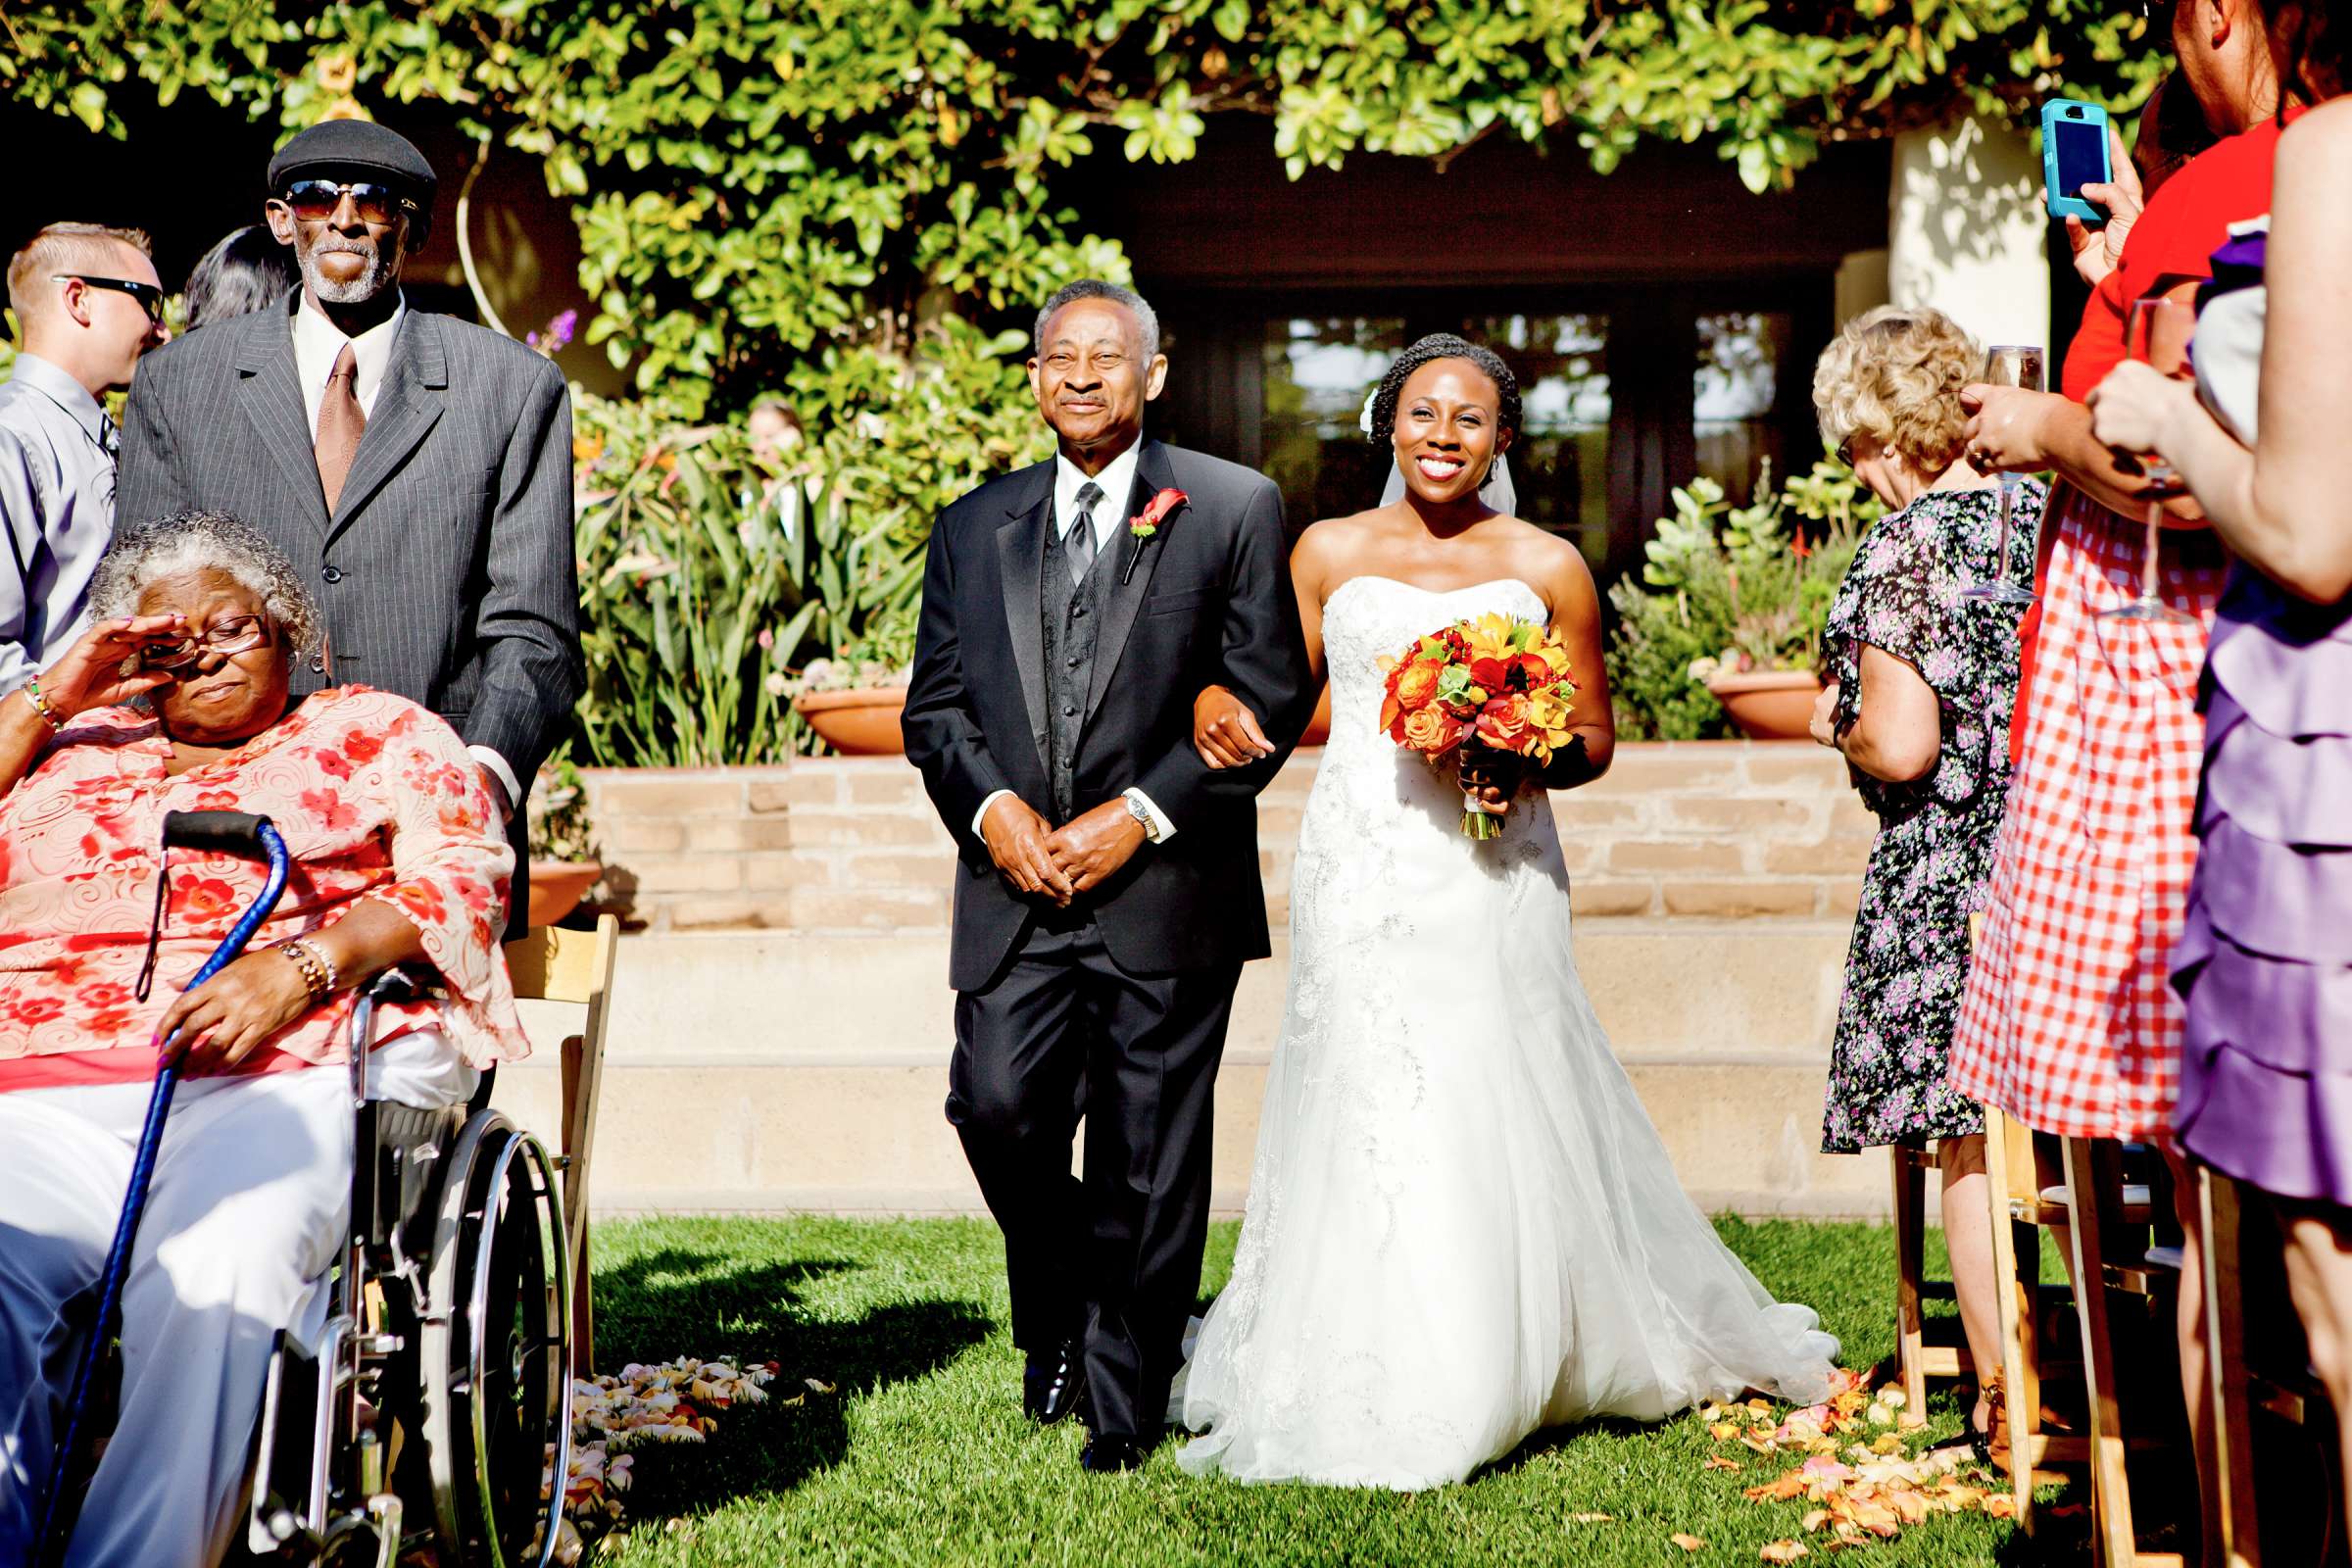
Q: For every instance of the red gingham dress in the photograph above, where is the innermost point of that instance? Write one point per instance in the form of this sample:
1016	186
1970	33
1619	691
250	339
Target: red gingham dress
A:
2069	1023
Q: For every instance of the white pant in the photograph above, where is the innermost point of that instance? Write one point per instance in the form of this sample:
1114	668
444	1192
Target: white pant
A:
244	1221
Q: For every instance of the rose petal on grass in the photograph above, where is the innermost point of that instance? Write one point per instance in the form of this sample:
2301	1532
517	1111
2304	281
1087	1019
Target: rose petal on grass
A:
1782	1552
1688	1543
1591	1518
1716	1461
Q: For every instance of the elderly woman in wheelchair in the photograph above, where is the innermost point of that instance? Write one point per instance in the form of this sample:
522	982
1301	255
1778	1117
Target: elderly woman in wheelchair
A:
178	698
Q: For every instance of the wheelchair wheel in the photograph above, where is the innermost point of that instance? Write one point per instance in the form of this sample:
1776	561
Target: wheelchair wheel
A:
498	1436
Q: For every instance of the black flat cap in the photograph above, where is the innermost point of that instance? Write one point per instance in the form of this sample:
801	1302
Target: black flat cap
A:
354	149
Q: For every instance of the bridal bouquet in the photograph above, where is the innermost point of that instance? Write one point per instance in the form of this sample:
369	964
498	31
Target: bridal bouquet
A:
1493	691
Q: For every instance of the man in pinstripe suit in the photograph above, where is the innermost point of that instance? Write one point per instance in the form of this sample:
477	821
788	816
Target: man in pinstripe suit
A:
420	465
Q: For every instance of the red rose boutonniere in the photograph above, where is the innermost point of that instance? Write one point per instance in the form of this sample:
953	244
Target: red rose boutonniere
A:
1145	523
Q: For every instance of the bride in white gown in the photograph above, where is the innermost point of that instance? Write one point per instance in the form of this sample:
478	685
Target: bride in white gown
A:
1461	1225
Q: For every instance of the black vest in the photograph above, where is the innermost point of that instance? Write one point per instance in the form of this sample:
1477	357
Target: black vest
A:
1072	618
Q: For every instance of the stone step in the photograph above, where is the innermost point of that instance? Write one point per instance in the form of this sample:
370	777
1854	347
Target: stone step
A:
754	1135
764	1071
1685	987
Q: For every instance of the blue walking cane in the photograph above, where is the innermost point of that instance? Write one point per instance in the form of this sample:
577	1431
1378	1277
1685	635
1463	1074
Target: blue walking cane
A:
238	833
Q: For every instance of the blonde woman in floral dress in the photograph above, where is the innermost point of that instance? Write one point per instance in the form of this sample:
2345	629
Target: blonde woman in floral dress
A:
1921	683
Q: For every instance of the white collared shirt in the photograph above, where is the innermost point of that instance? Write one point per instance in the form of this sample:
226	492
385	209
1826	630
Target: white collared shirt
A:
1117	483
318	343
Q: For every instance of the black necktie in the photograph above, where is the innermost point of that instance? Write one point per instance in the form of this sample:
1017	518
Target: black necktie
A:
1080	545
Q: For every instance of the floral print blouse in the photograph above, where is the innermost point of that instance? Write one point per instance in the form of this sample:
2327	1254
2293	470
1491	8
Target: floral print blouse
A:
1929	866
377	799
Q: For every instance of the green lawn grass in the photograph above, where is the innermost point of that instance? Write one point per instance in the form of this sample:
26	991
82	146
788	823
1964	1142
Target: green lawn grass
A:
923	1456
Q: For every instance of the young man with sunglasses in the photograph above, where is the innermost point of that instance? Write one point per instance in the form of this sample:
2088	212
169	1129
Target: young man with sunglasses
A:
415	467
88	305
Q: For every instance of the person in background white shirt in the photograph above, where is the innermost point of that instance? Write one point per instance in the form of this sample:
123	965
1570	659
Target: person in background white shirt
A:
88	304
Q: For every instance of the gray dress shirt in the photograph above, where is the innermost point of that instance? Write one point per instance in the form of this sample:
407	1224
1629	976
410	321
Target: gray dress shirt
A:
56	500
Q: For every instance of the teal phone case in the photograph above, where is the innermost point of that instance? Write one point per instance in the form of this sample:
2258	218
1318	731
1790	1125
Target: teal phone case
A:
2073	112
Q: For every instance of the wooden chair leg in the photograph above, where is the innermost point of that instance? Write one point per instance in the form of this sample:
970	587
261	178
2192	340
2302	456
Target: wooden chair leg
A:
2015	1295
575	1207
2114	1541
2225	1477
1910	1268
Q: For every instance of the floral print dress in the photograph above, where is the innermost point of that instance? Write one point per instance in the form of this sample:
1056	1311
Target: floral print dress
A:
1929	866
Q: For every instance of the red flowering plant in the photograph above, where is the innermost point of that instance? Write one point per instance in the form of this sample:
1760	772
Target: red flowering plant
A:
1493	692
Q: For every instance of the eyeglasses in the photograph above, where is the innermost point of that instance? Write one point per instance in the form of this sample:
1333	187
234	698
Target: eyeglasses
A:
234	636
1845	452
316	200
150	298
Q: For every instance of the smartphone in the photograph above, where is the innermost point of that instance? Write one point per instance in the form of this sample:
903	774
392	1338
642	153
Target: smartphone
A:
2073	154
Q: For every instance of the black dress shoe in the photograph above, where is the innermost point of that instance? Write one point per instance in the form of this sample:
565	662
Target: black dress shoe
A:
1053	1384
1106	1454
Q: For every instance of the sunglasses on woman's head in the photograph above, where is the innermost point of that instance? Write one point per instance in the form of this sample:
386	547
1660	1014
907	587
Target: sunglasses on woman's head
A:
316	200
150	298
234	636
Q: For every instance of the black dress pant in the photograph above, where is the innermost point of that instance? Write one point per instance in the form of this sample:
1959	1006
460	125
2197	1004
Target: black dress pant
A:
1116	1256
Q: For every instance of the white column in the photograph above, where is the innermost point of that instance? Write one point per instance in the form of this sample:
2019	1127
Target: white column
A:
1966	230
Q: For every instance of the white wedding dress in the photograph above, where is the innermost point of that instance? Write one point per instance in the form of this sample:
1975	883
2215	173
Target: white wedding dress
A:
1461	1225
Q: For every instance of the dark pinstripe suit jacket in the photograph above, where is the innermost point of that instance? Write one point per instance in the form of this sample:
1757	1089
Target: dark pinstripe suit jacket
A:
446	573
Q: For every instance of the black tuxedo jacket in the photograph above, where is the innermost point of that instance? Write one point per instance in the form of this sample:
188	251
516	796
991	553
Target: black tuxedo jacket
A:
1207	599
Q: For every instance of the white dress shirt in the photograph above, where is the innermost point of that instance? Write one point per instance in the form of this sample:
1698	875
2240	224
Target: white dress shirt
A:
1117	481
318	344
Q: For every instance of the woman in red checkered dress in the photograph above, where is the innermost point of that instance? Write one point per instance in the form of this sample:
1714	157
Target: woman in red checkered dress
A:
2068	1023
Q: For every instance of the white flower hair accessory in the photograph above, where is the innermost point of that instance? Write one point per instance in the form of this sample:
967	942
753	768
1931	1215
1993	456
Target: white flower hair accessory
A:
1363	420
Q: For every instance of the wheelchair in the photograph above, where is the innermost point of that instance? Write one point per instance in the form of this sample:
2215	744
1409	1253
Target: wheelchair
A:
429	1421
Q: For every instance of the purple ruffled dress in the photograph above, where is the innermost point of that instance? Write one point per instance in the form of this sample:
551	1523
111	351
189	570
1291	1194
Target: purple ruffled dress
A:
2265	962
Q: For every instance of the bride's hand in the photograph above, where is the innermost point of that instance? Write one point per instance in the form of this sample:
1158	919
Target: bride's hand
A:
1491	778
1225	732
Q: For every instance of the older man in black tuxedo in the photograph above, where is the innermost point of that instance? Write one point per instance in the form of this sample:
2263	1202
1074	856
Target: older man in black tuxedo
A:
416	468
1109	892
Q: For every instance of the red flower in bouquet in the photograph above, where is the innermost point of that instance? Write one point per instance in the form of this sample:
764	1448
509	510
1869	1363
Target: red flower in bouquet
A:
1485	689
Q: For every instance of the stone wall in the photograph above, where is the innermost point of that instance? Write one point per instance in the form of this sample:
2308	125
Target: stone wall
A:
1706	830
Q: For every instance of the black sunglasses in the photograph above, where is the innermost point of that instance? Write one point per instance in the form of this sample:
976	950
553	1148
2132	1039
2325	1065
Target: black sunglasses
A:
312	200
150	298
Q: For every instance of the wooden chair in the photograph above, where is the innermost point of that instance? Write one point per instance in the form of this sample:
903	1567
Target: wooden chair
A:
2108	1259
553	965
2257	1363
2018	1168
1916	1359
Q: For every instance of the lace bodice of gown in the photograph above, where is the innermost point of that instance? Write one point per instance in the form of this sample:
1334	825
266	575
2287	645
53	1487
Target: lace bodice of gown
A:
1461	1225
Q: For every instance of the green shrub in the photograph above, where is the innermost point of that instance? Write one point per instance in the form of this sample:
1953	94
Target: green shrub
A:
1730	588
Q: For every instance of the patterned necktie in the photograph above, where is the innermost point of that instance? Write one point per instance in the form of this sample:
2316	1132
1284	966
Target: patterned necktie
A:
340	427
109	436
1080	543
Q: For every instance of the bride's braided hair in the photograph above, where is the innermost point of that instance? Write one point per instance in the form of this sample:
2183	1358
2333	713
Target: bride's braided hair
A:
1443	346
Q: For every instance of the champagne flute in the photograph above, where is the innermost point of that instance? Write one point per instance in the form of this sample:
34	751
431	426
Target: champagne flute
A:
2157	335
2016	365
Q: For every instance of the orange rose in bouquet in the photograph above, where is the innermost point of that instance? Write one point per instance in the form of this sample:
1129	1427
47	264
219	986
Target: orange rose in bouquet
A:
1494	692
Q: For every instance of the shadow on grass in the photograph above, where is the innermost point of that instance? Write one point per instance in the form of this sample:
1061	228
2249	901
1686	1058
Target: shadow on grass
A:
680	1301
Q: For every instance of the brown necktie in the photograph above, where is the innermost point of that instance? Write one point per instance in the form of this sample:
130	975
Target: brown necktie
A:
340	427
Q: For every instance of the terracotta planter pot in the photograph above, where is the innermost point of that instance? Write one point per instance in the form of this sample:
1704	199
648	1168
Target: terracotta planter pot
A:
863	723
1319	729
1769	705
558	886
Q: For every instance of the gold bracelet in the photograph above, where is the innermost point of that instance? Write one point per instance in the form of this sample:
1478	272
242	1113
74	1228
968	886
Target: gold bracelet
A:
40	705
304	959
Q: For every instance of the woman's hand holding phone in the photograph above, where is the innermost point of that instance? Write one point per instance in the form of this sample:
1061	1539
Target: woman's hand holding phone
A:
2098	252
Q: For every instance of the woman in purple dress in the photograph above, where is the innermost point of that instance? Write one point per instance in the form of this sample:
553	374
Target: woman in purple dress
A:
2264	963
